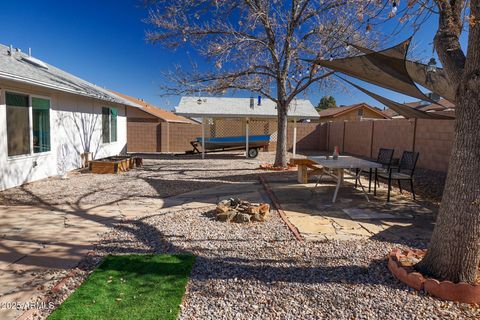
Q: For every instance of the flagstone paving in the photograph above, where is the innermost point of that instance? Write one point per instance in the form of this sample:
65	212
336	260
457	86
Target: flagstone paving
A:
352	216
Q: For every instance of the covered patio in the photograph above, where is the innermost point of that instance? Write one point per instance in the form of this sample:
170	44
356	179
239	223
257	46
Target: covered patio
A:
236	123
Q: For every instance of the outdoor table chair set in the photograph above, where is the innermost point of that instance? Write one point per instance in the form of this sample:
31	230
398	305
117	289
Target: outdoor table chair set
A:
384	167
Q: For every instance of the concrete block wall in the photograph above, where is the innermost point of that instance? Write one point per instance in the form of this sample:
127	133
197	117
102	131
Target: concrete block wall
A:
310	136
433	140
143	135
397	134
176	137
335	135
358	138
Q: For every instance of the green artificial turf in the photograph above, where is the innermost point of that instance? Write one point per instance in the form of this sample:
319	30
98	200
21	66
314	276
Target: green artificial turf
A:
130	287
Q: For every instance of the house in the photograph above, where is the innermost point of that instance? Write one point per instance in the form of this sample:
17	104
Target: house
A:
49	119
355	112
444	107
151	129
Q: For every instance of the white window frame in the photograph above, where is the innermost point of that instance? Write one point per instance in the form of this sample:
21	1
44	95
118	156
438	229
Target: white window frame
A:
31	154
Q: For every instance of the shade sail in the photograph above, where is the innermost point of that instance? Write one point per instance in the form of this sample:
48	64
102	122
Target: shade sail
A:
390	69
436	82
404	110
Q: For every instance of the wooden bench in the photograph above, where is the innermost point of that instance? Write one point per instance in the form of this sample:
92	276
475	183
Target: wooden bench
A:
306	169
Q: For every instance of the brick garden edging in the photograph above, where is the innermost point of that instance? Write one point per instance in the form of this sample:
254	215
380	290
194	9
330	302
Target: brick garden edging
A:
28	314
279	209
445	290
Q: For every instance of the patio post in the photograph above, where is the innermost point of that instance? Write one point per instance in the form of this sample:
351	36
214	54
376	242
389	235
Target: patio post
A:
246	137
294	137
203	137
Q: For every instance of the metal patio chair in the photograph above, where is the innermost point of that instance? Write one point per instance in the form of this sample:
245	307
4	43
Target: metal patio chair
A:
404	172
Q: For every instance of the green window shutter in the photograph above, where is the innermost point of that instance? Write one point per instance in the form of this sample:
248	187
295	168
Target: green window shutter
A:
41	124
105	125
113	124
40	104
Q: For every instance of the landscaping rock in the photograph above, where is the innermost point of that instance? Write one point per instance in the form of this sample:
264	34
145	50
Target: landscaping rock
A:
242	218
221	208
264	208
253	210
257	218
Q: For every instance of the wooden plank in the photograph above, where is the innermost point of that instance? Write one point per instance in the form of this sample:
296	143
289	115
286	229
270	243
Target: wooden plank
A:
297	161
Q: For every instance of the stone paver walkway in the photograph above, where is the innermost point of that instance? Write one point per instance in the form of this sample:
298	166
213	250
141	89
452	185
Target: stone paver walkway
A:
317	218
38	241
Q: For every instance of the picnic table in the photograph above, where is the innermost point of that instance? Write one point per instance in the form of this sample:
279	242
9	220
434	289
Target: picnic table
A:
337	169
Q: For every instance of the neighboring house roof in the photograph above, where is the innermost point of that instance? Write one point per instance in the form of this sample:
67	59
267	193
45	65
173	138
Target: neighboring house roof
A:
155	111
338	111
20	67
241	107
444	107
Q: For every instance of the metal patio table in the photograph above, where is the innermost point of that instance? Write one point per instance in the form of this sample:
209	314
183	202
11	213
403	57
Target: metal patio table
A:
336	169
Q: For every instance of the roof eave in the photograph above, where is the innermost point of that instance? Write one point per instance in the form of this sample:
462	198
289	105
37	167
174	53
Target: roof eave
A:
8	76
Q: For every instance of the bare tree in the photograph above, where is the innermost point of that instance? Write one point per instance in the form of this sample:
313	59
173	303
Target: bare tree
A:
454	249
258	45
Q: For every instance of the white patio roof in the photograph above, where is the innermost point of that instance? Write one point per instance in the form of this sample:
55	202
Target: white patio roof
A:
215	107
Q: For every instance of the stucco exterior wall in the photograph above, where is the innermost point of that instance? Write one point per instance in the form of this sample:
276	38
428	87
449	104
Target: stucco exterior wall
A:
75	122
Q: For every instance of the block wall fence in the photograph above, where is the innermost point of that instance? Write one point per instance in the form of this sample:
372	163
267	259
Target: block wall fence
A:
431	138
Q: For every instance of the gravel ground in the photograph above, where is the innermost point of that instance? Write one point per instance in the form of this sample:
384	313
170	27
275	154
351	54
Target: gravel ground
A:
259	271
255	271
163	176
168	175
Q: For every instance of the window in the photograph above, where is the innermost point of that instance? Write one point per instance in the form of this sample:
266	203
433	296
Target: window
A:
41	125
109	125
360	112
18	124
22	141
113	124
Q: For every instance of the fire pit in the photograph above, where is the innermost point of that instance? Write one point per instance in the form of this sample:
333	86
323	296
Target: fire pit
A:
236	210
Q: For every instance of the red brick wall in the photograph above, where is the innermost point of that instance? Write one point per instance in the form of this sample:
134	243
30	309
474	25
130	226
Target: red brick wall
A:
143	135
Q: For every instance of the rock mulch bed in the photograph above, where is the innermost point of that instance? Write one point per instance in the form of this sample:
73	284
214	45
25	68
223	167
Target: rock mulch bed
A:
259	271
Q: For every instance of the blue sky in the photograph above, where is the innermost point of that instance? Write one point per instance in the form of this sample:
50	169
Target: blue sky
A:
104	42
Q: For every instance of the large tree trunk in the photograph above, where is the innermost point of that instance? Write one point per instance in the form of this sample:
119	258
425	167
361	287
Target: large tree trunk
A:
282	125
454	250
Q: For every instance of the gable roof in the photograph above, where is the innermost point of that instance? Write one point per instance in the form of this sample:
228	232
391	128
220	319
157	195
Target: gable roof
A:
446	108
338	111
20	67
155	111
240	107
